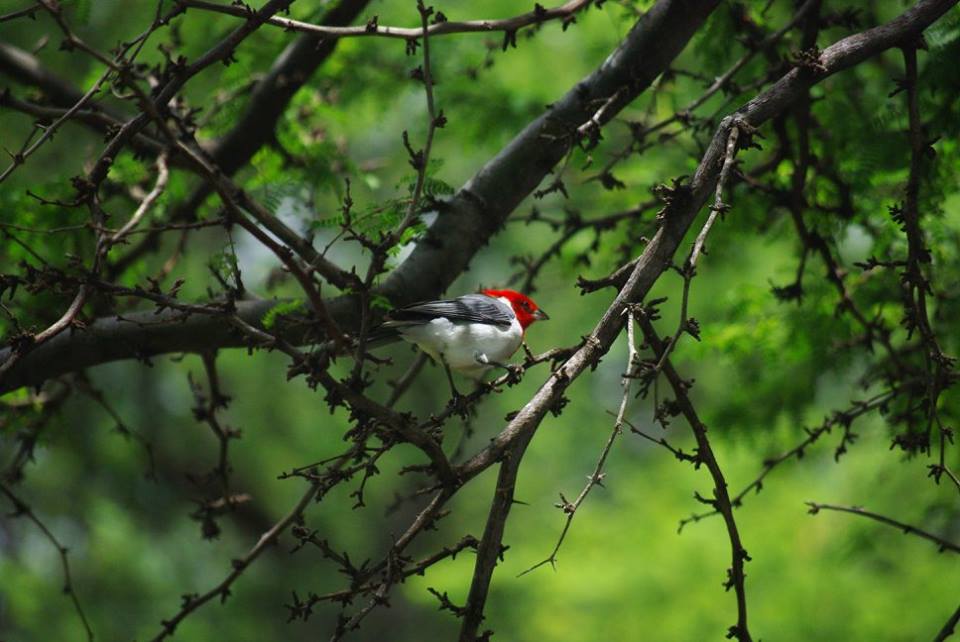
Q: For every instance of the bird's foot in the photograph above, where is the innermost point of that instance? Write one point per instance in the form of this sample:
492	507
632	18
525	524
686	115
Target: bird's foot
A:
514	373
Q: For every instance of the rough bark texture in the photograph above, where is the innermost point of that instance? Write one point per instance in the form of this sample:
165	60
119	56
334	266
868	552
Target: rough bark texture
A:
467	223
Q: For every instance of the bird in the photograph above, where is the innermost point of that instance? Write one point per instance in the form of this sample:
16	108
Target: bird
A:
469	334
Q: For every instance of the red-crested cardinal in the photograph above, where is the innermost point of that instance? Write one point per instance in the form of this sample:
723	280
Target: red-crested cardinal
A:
469	334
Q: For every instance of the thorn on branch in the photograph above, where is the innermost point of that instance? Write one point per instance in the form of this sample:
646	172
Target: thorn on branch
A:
446	604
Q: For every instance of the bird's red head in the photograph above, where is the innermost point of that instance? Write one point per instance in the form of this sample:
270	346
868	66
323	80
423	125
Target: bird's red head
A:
523	306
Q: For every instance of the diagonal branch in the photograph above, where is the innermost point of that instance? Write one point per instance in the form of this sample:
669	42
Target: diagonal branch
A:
596	478
949	627
721	497
843	418
491	545
479	208
942	544
471	218
22	510
192	602
685	204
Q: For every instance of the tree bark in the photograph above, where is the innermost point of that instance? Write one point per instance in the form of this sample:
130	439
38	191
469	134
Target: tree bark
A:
468	221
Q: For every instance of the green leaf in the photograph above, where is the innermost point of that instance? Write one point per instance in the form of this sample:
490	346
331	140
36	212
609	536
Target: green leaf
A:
283	308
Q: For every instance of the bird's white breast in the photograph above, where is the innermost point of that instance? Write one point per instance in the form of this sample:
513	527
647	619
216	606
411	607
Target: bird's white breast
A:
458	344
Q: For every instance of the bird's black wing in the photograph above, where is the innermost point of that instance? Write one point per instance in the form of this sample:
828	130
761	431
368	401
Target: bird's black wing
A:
472	308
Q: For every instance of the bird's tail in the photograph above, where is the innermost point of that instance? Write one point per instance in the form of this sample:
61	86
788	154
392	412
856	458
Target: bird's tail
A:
382	335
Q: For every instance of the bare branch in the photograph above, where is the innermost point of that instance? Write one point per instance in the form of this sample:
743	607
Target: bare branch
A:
721	497
21	509
438	28
596	478
942	544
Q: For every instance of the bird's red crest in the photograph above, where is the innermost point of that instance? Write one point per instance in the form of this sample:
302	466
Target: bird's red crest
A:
523	306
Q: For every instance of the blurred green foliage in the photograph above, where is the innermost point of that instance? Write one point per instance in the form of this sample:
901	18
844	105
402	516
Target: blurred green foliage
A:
764	369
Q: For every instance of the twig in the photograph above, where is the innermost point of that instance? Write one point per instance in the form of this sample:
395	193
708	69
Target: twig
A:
721	498
915	282
163	175
26	11
942	544
192	602
439	28
20	157
844	418
401	385
689	269
948	627
596	478
20	508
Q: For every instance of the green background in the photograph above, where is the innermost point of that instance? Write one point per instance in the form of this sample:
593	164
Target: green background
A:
764	369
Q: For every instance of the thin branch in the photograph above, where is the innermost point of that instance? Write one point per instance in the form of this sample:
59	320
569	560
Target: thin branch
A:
163	175
915	279
949	627
721	498
20	157
438	28
844	418
192	602
401	385
26	11
596	478
942	544
22	509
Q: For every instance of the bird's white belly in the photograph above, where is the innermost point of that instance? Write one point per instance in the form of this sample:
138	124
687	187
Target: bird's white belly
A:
459	344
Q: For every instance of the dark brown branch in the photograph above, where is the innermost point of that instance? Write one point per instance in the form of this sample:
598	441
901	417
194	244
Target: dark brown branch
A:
490	549
20	13
94	118
21	509
915	279
596	477
949	627
942	544
474	215
192	602
21	156
844	418
416	568
721	497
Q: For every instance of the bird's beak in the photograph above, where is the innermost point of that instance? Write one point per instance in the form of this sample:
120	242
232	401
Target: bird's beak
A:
540	315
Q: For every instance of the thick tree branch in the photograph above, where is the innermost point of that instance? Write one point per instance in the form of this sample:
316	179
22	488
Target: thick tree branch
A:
270	97
474	214
478	210
686	201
